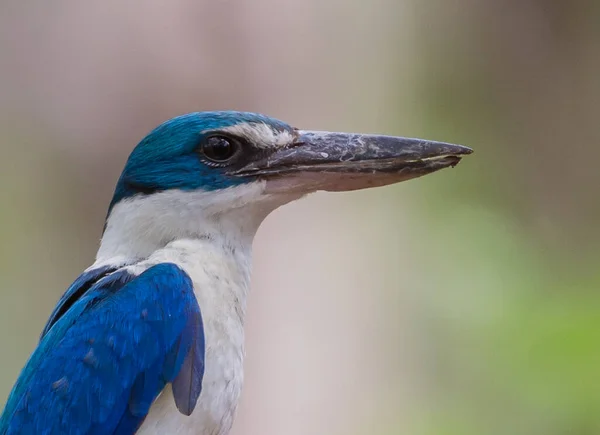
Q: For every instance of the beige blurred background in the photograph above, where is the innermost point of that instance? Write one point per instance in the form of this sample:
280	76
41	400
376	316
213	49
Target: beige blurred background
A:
466	302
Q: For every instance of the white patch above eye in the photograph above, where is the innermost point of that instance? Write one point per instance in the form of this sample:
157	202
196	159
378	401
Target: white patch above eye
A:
260	134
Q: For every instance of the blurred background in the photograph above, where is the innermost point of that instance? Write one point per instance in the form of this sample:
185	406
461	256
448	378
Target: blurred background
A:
465	302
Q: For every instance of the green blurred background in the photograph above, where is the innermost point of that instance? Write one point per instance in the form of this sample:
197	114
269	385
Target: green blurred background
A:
465	302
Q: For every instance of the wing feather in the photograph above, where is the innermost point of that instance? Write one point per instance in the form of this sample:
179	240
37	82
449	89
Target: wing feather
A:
102	363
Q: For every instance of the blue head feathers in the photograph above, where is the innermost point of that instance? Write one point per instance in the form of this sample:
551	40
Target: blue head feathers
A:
194	151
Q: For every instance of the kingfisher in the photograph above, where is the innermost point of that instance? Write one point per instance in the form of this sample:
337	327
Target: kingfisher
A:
150	338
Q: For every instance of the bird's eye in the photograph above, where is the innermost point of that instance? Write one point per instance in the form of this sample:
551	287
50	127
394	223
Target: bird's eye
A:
219	149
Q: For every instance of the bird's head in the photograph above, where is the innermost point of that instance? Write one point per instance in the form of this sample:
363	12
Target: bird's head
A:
210	172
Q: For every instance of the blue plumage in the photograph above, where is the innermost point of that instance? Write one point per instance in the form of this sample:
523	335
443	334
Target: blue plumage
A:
104	360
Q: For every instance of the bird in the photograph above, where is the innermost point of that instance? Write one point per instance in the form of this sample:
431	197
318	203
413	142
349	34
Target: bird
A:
150	338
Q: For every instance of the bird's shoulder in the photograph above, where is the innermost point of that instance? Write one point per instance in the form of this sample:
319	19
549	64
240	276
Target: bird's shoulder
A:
112	343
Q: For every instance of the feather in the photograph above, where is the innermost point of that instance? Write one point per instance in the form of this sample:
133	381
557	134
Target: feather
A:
74	292
103	362
188	383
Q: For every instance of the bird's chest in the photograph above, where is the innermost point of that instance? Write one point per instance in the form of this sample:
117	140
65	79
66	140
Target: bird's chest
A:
221	280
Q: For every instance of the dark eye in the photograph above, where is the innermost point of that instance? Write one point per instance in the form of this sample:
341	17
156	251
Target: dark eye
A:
219	149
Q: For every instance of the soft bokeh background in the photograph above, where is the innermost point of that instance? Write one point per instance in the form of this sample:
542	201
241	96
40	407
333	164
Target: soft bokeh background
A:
466	302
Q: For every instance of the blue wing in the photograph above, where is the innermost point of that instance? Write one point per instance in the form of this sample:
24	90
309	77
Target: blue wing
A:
108	352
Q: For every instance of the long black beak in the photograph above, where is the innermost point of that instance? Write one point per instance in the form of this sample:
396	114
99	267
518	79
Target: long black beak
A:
385	159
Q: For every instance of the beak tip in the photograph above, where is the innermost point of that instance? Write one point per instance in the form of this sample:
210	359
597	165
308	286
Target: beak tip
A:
466	150
458	150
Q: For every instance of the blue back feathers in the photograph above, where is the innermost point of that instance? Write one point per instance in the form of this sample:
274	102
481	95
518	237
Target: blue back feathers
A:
108	351
168	157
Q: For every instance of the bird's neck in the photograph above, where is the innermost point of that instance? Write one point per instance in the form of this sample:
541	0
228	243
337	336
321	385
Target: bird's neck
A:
138	227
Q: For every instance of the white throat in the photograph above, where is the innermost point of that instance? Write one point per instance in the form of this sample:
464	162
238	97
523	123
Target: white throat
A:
141	225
